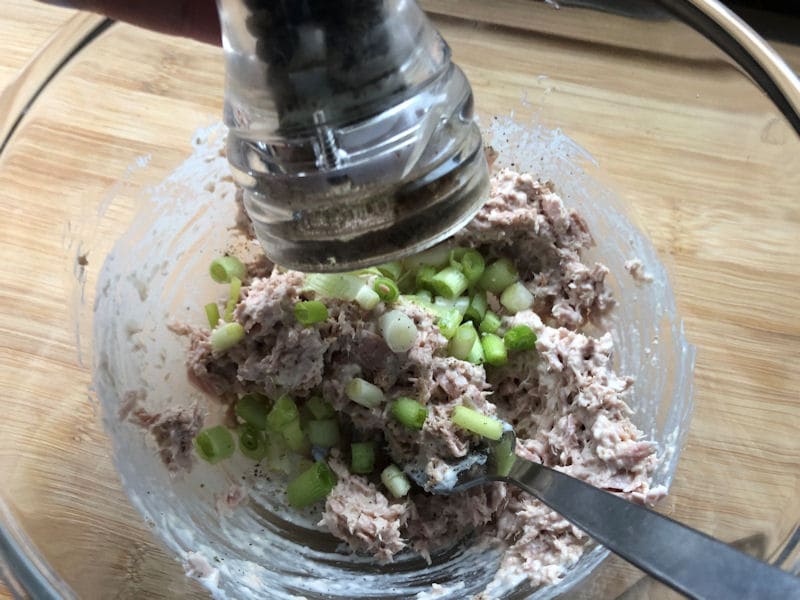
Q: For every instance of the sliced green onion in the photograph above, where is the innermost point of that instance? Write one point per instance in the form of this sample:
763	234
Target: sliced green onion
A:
320	408
214	444
226	336
462	342
516	297
252	409
409	412
490	322
342	286
454	259
295	438
498	276
425	296
362	457
277	456
252	443
494	350
422	302
472	265
473	421
407	282
386	289
461	304
302	464
477	308
364	393
305	416
448	323
283	412
212	313
308	312
475	355
225	268
399	330
435	257
323	432
444	303
520	337
366	271
395	481
233	298
449	282
392	270
367	298
424	278
311	486
502	458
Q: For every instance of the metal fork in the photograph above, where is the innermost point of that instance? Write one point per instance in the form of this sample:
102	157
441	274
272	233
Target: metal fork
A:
687	560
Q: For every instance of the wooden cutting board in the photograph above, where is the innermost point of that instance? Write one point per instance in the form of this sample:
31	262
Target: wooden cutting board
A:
24	26
689	226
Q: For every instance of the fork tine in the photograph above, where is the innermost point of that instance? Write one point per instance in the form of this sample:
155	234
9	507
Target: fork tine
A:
490	461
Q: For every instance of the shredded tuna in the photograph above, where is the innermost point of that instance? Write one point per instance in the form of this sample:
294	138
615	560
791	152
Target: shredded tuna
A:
566	403
173	431
437	522
362	516
236	495
527	221
197	567
635	267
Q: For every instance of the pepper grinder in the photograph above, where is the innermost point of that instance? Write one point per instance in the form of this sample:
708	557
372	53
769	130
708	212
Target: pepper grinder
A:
351	132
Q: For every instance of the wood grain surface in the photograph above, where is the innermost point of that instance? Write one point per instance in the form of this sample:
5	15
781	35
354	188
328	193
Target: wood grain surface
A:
24	26
700	157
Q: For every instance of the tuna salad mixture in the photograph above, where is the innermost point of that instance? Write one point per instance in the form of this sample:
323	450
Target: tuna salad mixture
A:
342	382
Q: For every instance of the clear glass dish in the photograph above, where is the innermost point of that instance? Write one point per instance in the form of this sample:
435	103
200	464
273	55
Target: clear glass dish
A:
668	131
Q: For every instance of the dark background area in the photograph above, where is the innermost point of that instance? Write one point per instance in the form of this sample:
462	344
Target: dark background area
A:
777	20
789	7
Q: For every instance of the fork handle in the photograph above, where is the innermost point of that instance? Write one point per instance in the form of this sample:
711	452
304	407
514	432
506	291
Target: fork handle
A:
683	558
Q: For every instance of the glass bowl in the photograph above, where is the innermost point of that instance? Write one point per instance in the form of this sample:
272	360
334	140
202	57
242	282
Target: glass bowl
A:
636	118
